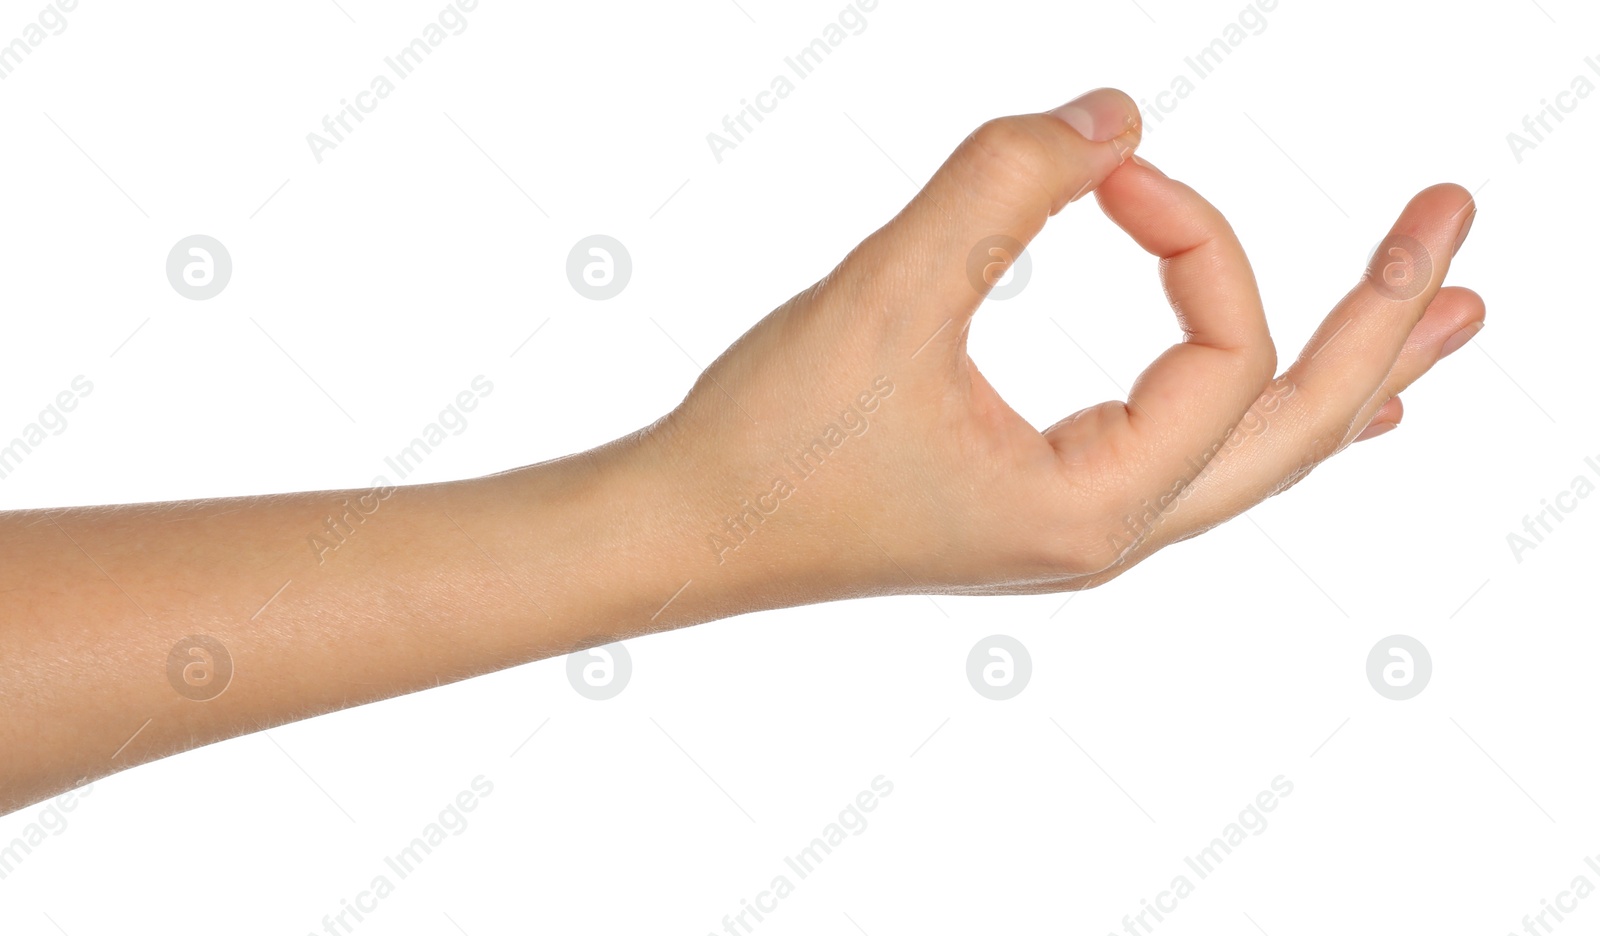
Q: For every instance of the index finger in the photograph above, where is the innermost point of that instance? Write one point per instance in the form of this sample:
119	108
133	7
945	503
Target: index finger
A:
1184	405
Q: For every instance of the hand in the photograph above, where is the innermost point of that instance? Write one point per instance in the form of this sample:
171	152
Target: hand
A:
928	482
845	446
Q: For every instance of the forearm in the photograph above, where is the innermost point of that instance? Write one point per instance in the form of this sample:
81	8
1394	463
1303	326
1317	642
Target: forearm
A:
325	600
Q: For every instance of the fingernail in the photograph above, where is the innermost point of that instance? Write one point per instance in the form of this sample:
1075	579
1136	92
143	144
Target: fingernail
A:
1146	163
1454	342
1461	235
1374	430
1100	115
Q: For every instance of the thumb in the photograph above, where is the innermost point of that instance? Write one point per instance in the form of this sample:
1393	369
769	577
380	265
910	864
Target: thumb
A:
938	258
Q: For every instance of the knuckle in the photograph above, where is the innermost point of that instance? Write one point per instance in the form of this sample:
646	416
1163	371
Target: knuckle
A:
1089	557
1081	547
1323	444
1317	451
1267	364
1109	542
1006	155
1293	478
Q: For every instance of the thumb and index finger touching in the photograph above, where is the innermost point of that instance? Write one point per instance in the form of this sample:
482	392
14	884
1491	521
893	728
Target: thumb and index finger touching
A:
994	193
940	255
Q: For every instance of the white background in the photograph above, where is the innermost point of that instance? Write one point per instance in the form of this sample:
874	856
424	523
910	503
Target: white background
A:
371	288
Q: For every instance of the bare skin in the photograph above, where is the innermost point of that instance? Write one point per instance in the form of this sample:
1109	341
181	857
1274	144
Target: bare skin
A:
932	484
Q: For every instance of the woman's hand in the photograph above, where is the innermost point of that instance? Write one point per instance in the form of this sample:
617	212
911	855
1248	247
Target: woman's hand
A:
849	441
845	446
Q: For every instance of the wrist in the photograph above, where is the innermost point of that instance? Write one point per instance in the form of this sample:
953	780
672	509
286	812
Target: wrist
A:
634	537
